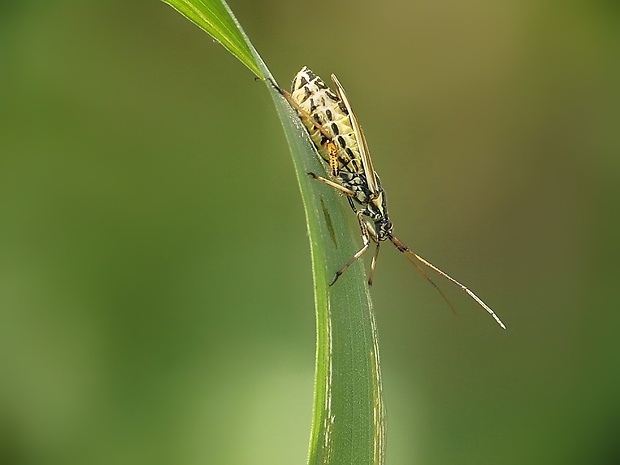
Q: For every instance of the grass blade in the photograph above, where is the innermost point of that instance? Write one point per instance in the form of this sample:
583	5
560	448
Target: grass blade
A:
348	422
216	18
348	425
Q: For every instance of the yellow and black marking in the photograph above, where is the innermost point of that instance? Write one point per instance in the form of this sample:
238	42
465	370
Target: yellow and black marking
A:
329	124
340	141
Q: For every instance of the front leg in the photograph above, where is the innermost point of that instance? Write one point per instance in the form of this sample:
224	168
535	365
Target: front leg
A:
333	184
366	237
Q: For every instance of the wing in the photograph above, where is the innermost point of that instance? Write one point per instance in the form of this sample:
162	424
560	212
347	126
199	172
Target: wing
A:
371	176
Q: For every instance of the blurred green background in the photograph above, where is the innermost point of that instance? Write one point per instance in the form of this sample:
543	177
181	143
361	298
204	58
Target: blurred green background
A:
155	288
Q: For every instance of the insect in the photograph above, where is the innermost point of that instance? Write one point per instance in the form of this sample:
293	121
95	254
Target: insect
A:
340	142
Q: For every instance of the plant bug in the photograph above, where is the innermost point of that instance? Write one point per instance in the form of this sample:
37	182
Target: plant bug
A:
341	144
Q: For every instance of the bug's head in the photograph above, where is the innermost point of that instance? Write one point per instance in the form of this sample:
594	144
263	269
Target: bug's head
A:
383	228
383	225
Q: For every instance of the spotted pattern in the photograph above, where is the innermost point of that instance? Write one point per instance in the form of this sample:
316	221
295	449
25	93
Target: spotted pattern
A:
328	111
340	150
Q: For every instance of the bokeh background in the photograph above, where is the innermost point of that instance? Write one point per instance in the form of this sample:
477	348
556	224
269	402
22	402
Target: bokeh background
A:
155	288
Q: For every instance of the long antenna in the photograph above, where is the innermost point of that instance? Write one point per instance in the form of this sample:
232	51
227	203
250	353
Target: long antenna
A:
412	256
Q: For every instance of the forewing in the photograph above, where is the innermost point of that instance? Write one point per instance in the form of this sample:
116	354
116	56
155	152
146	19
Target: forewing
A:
371	176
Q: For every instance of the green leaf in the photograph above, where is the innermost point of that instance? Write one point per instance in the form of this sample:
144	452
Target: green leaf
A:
349	421
215	17
349	424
